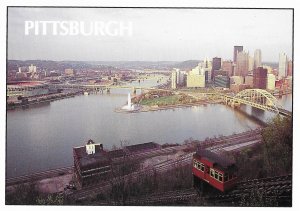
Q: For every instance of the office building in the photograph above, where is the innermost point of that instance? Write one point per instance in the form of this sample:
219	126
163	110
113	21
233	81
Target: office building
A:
271	81
282	68
260	78
257	58
196	77
228	67
216	65
242	64
222	81
249	80
236	80
206	67
195	81
238	87
250	63
236	50
221	72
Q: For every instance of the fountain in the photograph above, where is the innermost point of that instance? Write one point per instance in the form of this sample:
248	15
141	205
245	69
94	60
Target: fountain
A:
129	106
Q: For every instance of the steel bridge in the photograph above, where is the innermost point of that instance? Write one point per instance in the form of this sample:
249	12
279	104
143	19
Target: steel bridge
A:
257	98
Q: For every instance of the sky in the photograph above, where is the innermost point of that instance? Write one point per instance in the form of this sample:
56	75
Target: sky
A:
157	34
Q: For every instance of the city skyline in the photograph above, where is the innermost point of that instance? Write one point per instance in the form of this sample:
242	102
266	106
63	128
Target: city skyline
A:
158	35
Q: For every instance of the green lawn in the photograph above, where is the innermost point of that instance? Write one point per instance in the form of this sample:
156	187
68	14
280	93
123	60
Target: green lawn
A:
168	100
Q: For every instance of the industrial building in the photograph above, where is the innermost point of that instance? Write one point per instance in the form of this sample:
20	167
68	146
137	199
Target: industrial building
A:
26	89
91	163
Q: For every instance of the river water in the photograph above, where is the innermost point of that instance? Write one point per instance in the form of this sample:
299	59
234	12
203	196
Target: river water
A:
42	137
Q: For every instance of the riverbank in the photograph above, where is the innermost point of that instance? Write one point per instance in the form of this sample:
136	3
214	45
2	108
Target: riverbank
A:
166	107
40	99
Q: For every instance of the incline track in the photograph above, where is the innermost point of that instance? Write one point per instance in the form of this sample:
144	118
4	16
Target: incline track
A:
279	187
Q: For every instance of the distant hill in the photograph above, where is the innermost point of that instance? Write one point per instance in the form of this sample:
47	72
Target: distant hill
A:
138	64
61	65
186	65
55	65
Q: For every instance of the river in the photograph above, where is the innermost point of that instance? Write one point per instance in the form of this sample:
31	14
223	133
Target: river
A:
42	137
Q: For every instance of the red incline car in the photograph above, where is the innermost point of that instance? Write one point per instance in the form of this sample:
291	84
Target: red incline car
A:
211	168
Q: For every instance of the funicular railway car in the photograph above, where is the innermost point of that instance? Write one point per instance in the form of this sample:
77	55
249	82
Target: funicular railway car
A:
211	168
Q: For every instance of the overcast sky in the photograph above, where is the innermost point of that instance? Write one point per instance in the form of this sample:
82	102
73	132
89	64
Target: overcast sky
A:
158	34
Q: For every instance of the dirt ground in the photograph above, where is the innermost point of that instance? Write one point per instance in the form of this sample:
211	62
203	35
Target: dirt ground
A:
54	184
159	159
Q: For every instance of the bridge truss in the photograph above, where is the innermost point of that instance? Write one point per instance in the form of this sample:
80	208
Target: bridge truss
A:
257	98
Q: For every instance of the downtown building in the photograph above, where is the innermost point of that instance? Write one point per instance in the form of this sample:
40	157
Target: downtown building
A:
242	64
196	77
260	78
216	65
282	67
257	58
236	50
250	64
249	80
271	80
228	67
222	81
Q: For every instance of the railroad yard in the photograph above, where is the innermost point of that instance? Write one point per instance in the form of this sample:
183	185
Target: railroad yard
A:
160	161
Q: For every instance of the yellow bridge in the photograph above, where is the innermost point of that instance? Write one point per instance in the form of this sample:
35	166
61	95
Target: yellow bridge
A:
257	98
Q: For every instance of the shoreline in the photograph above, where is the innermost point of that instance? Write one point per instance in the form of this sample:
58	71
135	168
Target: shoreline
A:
41	100
167	107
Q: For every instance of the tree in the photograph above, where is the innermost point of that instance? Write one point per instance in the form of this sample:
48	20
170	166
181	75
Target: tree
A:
278	146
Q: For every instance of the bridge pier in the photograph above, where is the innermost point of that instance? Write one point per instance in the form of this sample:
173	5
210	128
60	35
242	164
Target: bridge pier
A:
108	90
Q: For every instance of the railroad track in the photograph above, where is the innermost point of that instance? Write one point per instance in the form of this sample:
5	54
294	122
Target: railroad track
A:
38	176
229	139
274	187
217	148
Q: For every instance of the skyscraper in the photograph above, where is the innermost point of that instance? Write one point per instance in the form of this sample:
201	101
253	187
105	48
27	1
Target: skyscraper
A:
282	68
236	49
242	64
250	63
271	81
216	65
228	67
257	58
260	78
290	68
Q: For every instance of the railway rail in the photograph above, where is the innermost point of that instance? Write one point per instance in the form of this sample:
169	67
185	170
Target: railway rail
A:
38	176
279	187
